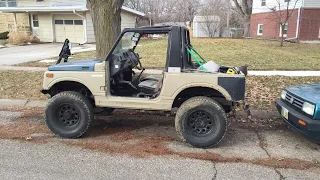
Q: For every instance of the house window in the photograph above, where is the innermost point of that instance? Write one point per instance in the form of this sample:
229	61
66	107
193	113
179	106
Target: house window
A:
35	20
78	22
12	3
68	22
263	2
3	3
284	31
8	3
58	22
260	30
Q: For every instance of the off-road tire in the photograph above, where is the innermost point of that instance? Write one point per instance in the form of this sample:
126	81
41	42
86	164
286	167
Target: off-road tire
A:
105	112
81	108
210	111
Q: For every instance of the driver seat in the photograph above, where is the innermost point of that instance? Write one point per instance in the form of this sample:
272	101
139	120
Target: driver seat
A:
151	85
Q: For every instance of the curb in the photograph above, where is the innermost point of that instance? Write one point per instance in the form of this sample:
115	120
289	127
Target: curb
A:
22	103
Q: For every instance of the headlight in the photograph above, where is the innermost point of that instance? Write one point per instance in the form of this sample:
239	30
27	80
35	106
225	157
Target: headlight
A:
308	108
283	95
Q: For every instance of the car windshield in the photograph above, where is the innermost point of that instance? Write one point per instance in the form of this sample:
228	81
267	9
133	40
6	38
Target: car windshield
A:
128	41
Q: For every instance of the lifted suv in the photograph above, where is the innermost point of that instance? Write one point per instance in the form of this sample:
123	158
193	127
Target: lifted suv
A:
202	91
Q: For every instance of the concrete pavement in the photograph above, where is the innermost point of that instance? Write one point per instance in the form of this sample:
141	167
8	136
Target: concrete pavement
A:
20	54
56	161
22	103
19	68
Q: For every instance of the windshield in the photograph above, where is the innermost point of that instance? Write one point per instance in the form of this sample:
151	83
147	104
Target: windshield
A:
128	41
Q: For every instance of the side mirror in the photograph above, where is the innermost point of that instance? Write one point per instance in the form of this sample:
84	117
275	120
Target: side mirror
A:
244	70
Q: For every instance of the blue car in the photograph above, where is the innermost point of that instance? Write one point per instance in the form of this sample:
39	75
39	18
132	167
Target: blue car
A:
299	107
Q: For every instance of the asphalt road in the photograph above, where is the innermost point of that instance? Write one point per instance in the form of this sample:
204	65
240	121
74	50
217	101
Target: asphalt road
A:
20	54
56	160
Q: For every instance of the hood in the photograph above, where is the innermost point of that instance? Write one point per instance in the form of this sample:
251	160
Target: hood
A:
310	92
82	65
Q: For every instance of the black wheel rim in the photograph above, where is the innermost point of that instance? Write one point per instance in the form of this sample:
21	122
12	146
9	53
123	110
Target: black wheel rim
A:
200	122
68	115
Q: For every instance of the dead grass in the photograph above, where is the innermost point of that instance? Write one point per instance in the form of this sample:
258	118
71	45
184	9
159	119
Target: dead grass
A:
261	91
21	85
257	54
21	38
3	42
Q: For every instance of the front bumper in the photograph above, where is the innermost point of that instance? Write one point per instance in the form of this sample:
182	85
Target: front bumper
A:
310	130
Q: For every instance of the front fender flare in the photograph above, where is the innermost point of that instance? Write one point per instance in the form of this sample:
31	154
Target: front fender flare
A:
204	85
58	80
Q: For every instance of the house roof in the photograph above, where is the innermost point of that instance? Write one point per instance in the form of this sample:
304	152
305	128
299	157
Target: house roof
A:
206	19
58	9
170	24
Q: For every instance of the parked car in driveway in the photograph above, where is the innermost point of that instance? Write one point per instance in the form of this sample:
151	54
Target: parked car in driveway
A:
299	107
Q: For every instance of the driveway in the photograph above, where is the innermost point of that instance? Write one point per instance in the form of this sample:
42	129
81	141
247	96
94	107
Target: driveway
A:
20	54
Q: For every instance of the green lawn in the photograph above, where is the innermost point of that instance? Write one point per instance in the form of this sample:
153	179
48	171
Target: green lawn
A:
257	54
261	91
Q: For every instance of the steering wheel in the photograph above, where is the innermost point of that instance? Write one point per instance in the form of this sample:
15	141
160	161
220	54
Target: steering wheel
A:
136	58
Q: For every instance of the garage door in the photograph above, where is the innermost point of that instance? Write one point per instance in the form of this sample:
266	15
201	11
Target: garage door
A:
68	27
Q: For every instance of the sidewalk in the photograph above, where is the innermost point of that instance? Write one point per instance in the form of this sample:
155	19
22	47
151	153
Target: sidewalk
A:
262	73
19	68
22	103
157	71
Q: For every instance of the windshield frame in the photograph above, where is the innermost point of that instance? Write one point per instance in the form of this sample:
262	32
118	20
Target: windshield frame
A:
141	31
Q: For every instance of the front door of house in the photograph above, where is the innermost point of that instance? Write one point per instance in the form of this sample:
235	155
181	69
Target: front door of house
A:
35	25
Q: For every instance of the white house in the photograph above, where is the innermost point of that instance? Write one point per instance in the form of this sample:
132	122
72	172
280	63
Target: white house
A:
206	26
56	20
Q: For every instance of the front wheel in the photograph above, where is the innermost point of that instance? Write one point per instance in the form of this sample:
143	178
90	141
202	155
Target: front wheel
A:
201	122
69	114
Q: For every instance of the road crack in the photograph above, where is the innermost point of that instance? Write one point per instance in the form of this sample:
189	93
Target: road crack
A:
263	147
279	173
214	168
262	143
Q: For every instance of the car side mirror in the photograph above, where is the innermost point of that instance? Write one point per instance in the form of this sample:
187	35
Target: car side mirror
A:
244	70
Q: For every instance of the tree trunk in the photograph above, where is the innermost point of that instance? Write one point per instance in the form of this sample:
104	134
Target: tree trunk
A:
282	34
106	18
247	26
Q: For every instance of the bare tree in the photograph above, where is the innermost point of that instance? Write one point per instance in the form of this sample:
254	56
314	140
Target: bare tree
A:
187	9
106	17
214	16
244	8
166	10
283	11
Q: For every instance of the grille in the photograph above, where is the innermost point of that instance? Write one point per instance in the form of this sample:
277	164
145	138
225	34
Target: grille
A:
294	101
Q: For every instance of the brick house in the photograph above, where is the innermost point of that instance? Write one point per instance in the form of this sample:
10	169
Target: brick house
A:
304	23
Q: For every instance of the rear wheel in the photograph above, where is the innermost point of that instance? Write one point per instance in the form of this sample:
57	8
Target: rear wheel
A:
69	114
201	122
